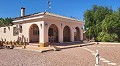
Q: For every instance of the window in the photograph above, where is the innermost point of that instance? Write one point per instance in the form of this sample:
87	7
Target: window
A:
15	31
50	31
4	30
35	30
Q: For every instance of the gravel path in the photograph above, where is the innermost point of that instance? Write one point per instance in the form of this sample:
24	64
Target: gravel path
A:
78	56
67	57
110	52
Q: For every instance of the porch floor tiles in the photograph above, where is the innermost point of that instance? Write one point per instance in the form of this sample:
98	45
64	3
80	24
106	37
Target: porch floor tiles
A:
36	48
50	48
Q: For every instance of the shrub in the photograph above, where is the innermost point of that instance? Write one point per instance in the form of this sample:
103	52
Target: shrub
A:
105	37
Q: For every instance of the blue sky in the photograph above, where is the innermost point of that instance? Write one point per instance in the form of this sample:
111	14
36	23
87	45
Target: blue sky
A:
75	8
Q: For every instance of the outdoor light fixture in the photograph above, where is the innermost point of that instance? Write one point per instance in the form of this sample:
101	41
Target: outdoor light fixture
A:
61	25
46	24
41	26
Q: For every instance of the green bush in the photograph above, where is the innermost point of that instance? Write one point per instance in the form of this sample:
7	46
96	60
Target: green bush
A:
105	37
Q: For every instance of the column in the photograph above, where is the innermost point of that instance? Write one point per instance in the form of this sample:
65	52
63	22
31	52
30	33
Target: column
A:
61	35
81	34
72	35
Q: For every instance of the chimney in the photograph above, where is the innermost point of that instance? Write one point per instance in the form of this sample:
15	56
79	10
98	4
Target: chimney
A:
22	11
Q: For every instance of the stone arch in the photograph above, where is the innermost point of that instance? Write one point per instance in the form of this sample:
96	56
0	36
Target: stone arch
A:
77	34
53	33
66	34
34	33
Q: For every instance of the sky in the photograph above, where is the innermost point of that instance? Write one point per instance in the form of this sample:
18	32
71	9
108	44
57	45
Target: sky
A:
74	8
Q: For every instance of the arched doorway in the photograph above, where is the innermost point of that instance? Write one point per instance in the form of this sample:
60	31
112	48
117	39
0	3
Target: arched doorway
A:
77	34
34	33
53	33
66	34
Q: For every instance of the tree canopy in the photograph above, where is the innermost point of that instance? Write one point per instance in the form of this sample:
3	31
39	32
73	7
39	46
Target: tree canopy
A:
5	22
102	23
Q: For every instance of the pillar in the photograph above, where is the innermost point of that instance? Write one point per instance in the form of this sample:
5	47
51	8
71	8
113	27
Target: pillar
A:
61	35
81	34
43	35
72	35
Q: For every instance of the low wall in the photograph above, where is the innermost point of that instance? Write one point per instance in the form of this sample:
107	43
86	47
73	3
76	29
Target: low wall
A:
108	43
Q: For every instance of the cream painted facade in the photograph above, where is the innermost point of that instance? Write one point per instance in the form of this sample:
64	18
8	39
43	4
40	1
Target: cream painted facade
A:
46	26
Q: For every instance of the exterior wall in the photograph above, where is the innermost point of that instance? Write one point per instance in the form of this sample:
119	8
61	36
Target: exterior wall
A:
8	35
25	32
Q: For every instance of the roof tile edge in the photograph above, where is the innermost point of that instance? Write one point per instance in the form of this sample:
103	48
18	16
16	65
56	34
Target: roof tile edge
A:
47	13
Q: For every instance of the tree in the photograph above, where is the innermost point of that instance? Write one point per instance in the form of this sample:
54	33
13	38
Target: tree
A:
93	20
111	25
103	23
5	22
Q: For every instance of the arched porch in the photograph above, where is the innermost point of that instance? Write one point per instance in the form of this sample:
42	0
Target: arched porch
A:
77	34
53	34
66	34
34	33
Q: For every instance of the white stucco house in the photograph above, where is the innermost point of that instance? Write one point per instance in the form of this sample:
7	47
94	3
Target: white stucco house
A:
43	28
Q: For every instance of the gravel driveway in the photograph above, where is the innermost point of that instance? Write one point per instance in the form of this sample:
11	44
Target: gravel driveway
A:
78	56
67	57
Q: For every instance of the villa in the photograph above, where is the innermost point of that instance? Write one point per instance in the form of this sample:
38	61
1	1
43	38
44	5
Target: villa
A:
43	28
